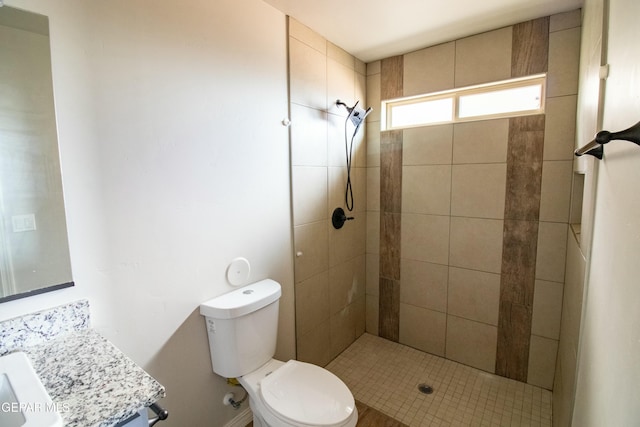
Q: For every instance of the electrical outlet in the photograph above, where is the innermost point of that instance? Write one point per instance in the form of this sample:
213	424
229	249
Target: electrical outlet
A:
21	223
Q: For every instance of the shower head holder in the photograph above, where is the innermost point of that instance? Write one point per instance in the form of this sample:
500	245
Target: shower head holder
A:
356	114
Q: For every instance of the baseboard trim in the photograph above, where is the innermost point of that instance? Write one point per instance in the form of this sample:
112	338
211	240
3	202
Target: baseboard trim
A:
242	419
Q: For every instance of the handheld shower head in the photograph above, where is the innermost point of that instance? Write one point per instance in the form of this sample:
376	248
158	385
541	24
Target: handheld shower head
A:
356	114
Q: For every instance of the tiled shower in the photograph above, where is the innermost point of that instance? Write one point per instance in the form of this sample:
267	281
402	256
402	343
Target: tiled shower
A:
459	239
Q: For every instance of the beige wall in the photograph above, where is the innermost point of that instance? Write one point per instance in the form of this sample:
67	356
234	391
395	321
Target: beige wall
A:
174	162
608	378
329	263
454	180
588	121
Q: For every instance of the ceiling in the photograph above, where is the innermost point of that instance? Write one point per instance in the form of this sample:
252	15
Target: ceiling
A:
375	29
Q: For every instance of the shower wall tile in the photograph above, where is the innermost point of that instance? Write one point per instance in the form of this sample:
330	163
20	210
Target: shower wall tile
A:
373	233
425	238
547	309
555	196
374	67
476	244
359	178
524	167
391	74
480	257
564	61
312	303
391	171
340	85
522	209
471	343
481	142
552	248
346	283
483	58
360	320
312	240
308	136
519	262
343	329
373	98
307	75
516	298
542	360
566	361
372	303
390	235
566	20
360	145
306	35
341	56
361	67
309	188
373	141
389	309
315	346
373	274
473	295
423	329
427	145
373	189
426	189
329	272
337	177
530	47
424	284
560	128
429	70
514	330
477	190
347	242
335	145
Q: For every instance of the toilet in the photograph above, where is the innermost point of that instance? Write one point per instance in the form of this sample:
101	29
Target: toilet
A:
242	326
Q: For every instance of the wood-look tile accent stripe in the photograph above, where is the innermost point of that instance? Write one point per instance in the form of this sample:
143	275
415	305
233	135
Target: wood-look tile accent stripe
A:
530	49
390	206
522	210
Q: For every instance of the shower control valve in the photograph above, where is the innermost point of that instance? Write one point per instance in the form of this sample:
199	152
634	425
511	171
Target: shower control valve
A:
339	218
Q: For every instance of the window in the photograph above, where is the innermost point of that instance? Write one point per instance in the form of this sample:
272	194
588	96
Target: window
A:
515	97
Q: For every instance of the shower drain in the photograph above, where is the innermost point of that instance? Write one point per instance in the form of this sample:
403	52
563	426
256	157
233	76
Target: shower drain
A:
425	388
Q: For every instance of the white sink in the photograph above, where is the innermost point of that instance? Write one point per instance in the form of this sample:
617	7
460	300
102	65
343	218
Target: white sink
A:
24	402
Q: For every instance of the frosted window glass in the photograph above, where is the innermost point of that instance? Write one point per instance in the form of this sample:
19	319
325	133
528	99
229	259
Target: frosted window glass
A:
421	113
512	100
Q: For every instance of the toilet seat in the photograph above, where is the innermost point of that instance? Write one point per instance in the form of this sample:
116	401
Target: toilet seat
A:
307	395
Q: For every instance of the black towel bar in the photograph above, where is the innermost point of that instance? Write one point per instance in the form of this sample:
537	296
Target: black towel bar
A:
595	148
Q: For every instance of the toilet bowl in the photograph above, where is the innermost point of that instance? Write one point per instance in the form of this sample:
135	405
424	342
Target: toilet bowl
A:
298	394
242	329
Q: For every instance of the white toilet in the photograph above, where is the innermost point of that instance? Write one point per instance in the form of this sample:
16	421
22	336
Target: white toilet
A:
242	327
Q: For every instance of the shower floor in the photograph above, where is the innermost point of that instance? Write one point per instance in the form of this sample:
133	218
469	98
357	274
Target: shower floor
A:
385	376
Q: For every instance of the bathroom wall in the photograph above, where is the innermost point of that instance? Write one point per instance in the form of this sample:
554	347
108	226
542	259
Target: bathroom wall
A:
467	223
174	162
608	377
588	122
329	263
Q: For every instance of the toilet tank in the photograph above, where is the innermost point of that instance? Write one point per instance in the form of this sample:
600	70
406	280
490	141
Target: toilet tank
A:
243	327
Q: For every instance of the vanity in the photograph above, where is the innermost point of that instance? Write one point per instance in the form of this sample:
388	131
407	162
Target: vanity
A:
90	381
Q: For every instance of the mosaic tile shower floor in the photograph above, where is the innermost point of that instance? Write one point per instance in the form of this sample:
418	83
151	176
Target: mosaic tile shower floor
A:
385	376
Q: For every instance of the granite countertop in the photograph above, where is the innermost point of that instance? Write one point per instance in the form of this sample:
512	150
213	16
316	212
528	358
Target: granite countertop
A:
92	382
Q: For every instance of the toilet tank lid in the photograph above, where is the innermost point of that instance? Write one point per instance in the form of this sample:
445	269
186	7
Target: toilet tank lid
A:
242	301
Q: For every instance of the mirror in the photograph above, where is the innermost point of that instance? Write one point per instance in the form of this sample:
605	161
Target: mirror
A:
34	250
